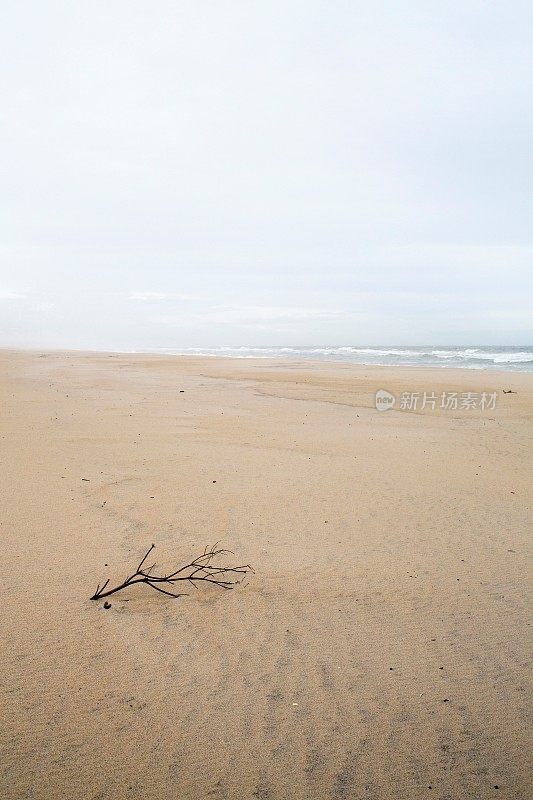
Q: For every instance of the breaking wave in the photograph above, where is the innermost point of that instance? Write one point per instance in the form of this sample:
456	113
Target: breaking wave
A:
511	358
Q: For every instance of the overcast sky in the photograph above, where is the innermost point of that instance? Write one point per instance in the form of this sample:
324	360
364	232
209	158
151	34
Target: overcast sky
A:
238	172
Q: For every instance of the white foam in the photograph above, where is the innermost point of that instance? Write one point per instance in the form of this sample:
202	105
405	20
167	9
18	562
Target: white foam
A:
466	357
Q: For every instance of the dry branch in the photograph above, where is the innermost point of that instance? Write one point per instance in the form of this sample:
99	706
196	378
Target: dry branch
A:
200	569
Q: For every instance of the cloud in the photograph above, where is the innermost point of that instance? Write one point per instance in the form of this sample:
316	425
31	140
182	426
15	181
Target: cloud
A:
157	296
5	295
251	316
245	314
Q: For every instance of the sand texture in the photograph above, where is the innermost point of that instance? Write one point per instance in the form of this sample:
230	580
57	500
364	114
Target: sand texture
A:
379	652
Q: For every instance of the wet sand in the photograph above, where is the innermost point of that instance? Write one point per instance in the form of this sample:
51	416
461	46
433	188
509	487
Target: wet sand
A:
380	650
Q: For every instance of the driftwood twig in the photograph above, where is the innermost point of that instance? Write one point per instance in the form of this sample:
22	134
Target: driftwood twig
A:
200	569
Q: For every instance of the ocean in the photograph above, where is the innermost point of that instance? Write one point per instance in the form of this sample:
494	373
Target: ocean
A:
516	359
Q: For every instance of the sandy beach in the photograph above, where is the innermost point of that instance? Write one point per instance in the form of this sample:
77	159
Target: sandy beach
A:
380	650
